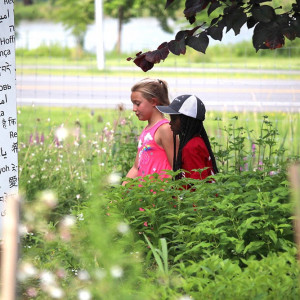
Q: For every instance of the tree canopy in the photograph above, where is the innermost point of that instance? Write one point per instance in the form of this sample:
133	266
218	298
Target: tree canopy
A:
124	10
78	14
272	25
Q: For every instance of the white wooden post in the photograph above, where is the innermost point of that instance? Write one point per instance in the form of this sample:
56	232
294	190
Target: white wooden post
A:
99	34
9	209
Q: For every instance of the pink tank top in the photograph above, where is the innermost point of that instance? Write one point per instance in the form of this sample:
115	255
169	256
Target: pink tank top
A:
152	157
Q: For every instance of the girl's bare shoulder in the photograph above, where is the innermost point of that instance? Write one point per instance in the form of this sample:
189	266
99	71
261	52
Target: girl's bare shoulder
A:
164	129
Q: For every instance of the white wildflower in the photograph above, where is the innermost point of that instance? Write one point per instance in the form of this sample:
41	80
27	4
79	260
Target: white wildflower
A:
123	228
55	292
83	275
26	270
186	297
84	295
80	217
116	271
49	198
61	133
68	221
114	178
47	278
23	230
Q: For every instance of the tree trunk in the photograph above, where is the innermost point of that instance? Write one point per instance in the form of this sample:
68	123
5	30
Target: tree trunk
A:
27	2
121	16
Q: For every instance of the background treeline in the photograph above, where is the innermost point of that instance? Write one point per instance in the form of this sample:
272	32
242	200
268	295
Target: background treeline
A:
48	9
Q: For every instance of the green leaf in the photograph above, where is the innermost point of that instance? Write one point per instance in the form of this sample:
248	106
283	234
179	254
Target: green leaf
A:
156	255
253	246
273	236
164	251
239	247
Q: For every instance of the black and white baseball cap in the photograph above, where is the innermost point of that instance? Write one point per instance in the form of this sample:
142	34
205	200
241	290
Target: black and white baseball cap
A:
188	105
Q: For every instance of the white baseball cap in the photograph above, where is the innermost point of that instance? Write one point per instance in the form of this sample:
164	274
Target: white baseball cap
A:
188	105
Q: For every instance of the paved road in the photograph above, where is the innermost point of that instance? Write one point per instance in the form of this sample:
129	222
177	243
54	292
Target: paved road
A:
109	91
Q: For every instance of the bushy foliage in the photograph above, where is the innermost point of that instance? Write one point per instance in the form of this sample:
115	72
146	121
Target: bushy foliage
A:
237	217
85	236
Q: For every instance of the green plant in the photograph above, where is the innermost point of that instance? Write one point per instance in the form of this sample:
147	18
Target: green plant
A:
161	256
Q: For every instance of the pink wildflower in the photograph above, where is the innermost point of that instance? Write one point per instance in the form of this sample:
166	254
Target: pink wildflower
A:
146	224
37	138
31	292
141	209
31	139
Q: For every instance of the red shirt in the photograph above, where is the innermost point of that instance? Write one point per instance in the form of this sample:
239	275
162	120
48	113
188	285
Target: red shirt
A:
196	156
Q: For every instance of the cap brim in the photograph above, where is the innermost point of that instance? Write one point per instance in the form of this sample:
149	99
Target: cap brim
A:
167	110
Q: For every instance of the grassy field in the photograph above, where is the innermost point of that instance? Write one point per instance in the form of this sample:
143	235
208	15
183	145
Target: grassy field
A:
215	63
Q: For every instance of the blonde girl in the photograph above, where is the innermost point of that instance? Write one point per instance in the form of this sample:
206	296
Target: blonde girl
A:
155	145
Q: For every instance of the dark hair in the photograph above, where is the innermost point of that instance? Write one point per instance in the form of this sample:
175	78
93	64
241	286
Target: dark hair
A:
189	128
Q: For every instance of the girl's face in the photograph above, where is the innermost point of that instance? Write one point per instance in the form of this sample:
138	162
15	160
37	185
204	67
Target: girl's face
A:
175	123
142	108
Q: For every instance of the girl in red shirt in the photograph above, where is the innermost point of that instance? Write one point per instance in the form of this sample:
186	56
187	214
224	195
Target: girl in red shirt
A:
187	114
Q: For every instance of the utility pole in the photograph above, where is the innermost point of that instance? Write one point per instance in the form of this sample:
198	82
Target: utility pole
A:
99	34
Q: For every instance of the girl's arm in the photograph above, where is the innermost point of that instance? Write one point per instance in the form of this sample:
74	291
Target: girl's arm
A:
164	138
133	172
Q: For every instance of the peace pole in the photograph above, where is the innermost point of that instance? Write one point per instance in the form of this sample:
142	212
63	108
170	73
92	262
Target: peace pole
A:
9	208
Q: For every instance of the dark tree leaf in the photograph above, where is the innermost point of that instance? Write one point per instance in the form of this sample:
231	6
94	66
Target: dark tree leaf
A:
184	33
141	62
276	42
267	36
263	13
289	32
251	22
181	35
214	5
216	32
295	23
169	2
177	47
235	19
157	55
192	7
239	18
199	43
215	21
287	28
258	1
296	7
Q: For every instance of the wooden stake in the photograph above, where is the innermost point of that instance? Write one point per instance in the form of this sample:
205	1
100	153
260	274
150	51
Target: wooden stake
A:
294	174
